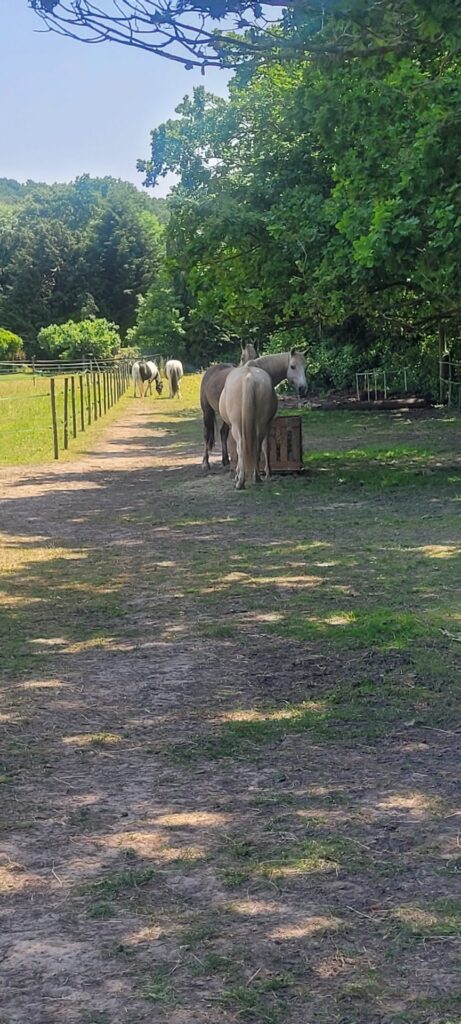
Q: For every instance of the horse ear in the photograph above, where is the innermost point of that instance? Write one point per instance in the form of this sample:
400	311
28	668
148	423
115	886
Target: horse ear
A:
292	351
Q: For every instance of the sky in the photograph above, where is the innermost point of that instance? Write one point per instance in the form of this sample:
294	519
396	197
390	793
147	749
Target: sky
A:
67	108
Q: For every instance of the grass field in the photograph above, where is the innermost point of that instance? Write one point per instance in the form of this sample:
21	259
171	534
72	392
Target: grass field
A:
26	434
230	768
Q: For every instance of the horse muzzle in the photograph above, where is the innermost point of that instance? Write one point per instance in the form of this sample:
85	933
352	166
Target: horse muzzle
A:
302	392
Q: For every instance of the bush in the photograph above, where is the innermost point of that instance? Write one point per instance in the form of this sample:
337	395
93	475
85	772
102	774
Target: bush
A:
92	337
129	352
11	345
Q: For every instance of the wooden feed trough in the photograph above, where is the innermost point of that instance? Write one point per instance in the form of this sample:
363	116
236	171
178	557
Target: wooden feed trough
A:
285	446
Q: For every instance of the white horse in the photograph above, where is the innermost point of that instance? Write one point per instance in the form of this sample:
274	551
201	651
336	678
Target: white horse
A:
290	366
174	372
143	372
248	404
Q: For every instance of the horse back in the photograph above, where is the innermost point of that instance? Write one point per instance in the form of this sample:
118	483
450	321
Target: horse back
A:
212	384
145	372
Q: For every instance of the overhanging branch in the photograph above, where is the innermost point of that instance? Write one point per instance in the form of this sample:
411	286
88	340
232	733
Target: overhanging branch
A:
226	33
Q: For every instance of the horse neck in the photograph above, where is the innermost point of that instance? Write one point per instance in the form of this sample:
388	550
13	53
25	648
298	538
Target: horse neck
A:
275	365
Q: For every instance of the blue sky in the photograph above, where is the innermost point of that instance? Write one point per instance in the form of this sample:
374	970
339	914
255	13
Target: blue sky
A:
69	109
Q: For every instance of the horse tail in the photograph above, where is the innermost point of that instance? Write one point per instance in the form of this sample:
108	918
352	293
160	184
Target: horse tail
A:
249	429
136	377
174	380
208	424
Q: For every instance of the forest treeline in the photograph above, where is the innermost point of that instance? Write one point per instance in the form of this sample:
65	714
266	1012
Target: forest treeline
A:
69	252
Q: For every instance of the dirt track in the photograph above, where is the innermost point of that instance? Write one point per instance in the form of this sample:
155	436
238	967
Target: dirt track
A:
125	861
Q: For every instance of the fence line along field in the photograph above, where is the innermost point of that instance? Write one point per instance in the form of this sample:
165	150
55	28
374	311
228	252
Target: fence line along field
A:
26	411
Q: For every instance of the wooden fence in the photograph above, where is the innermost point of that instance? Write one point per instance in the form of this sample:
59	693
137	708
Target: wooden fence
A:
86	397
42	414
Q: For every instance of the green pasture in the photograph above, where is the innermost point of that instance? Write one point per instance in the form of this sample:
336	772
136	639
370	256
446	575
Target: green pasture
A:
26	434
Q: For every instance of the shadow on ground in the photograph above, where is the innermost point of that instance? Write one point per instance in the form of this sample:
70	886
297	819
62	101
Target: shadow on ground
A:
229	769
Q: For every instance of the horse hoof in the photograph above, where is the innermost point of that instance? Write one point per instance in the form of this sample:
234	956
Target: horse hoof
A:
240	485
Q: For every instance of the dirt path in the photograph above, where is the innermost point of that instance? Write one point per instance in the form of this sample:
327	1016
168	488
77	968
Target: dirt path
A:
186	837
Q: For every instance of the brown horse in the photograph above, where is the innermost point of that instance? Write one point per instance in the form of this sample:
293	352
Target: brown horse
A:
213	381
290	366
248	405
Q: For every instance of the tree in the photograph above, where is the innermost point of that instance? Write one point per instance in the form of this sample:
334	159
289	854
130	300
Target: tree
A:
201	33
159	328
122	250
97	338
324	199
11	345
68	250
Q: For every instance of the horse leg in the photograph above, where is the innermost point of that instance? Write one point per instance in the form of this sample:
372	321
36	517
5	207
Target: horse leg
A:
206	458
265	451
208	431
224	435
240	474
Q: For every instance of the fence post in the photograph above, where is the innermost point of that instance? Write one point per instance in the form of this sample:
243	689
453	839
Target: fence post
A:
104	391
74	411
88	398
99	395
357	386
53	418
441	364
405	380
66	413
82	402
95	403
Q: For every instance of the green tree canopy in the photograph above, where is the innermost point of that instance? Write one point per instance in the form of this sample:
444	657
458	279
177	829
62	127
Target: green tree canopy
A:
71	340
67	249
322	198
200	33
159	329
11	345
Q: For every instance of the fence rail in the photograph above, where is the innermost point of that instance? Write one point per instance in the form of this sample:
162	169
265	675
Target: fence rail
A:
375	381
53	367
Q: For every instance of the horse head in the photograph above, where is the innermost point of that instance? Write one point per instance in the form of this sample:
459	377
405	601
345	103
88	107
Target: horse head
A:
296	372
248	352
